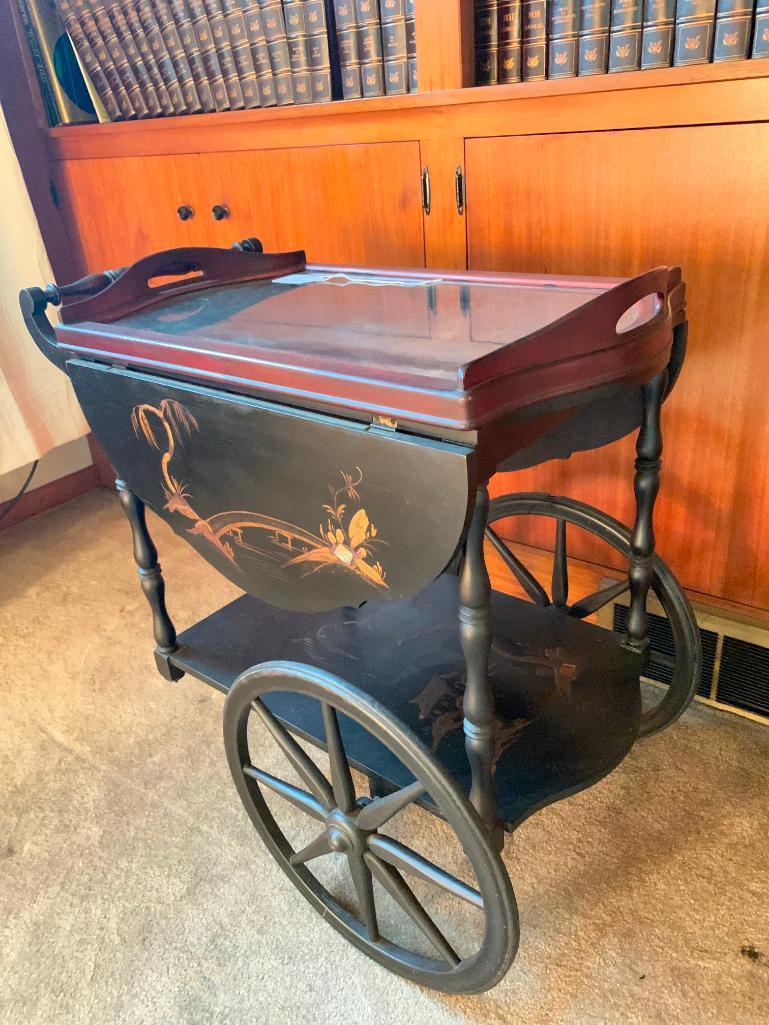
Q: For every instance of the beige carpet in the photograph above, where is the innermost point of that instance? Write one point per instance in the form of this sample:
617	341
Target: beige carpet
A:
134	890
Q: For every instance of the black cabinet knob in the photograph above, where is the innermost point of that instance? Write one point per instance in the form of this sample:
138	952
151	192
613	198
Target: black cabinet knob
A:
185	212
219	212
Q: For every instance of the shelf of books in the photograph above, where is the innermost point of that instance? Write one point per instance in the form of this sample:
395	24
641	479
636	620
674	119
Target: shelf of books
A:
531	40
123	60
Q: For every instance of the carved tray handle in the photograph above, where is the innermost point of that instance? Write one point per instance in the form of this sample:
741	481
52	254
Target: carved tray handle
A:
131	290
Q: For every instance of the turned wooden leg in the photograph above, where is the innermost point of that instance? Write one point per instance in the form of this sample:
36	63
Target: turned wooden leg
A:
146	557
475	636
646	485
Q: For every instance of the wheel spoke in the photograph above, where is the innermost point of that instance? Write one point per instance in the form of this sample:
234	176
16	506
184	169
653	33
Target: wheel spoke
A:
401	892
403	858
314	849
560	586
595	601
299	798
341	779
309	772
383	809
364	887
526	579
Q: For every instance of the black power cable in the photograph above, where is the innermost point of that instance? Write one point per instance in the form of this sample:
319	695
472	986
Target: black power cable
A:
12	502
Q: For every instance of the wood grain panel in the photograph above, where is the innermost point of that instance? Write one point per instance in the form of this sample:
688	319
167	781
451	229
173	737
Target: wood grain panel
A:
341	204
618	203
120	210
445	44
445	234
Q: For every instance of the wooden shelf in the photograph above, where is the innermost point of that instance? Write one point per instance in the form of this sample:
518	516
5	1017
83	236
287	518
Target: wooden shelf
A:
703	94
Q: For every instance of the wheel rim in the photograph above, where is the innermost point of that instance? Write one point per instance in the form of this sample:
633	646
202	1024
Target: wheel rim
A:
683	667
352	827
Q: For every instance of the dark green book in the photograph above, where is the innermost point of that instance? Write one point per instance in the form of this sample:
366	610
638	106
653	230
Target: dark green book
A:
394	47
486	42
509	33
533	40
164	39
625	35
347	43
411	46
563	38
370	47
657	35
318	47
594	37
761	30
225	55
176	12
298	51
169	104
207	49
277	45
734	20
260	53
695	21
102	55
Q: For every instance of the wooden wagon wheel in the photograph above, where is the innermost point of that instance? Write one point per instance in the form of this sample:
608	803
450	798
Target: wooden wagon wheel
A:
682	667
352	827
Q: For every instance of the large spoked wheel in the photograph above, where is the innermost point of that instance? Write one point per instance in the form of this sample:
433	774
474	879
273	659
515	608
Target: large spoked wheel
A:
390	880
674	655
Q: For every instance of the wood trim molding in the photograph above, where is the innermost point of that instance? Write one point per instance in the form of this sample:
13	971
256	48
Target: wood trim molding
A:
52	494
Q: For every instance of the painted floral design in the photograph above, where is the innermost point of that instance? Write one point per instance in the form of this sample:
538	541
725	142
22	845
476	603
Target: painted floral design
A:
347	541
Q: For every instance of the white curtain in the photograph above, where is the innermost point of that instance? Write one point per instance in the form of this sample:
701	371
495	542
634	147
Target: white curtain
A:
38	409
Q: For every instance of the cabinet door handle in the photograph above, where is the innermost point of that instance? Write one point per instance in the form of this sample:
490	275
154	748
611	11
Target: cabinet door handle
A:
184	212
219	212
426	194
459	190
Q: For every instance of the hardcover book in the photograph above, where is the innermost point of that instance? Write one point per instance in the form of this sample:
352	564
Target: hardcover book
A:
411	46
119	58
260	54
625	35
534	40
221	39
657	35
207	49
134	57
299	54
240	48
62	86
103	58
486	42
734	19
167	104
394	46
694	32
158	13
347	43
87	58
563	36
177	12
509	38
370	47
594	37
761	30
277	45
318	45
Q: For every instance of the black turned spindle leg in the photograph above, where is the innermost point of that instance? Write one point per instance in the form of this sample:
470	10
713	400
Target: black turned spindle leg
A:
475	636
646	485
151	577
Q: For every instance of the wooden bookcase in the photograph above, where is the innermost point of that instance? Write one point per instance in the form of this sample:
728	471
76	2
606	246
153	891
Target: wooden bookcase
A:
606	175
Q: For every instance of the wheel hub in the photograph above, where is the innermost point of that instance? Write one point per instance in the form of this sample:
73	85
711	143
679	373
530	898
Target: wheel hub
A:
343	834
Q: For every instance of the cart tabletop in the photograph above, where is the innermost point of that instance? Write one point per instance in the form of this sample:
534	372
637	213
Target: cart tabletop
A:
453	350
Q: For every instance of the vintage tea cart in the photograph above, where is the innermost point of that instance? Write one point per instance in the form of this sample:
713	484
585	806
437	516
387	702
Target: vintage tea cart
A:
324	437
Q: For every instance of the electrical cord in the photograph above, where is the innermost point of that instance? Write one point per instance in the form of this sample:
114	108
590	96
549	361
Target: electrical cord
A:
12	502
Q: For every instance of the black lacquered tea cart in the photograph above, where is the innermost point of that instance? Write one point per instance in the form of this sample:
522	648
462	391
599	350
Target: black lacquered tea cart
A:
324	437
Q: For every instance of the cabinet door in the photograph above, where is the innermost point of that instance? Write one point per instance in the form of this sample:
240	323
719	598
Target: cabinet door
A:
617	203
341	204
120	209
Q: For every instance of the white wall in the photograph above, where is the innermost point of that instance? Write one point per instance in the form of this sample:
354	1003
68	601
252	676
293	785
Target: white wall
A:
59	462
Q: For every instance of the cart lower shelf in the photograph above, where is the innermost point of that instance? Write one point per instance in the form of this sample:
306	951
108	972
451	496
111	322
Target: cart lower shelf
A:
567	693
